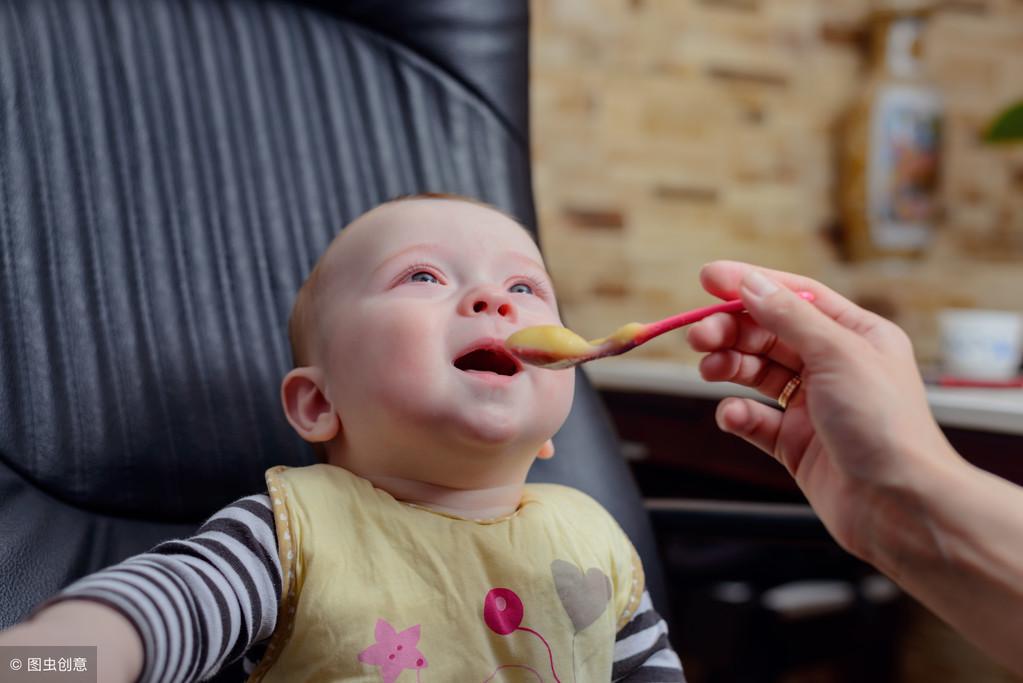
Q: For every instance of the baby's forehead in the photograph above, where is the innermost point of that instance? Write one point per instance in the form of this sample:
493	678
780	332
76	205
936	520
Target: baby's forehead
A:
372	238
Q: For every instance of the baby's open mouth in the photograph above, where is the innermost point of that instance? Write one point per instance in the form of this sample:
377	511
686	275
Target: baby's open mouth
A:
489	359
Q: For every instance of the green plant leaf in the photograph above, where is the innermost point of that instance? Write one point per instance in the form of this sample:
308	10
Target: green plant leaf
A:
1008	126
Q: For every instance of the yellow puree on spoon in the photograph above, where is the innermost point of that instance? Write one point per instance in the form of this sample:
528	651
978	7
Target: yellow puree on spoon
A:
553	347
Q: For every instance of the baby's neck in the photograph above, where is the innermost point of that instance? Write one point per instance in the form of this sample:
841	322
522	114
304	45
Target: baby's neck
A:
478	504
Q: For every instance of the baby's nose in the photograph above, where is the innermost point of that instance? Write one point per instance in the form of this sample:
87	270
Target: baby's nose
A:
488	301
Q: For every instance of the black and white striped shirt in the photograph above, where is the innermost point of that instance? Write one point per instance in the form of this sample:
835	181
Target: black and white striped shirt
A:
201	603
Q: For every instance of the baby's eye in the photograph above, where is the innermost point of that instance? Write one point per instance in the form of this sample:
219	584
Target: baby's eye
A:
423	276
520	288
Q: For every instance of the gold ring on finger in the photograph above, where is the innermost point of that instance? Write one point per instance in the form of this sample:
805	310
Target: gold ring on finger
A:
788	391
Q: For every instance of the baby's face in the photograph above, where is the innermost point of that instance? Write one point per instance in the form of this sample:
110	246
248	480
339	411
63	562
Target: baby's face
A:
414	307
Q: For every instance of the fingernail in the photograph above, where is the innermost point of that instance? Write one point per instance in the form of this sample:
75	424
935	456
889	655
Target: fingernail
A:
758	284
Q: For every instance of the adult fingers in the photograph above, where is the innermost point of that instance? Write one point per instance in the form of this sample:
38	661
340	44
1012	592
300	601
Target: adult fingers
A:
740	333
724	280
750	420
756	372
799	324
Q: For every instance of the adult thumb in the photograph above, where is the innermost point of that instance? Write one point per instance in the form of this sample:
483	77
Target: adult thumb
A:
794	320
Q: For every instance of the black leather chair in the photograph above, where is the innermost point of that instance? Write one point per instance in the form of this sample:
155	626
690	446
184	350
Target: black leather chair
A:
169	171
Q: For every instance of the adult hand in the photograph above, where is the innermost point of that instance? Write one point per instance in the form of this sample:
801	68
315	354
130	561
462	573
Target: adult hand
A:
861	443
858	427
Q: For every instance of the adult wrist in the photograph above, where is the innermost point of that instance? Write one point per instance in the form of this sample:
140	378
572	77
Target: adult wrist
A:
904	526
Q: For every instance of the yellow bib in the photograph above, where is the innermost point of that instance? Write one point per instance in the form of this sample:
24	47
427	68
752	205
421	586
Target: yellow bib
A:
378	590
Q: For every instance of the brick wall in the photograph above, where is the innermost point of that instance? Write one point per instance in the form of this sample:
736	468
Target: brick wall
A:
667	133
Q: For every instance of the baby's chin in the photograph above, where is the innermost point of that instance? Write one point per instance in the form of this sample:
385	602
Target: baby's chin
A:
489	422
492	431
488	426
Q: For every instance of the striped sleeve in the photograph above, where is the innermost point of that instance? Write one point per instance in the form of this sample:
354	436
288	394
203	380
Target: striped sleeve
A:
198	603
642	652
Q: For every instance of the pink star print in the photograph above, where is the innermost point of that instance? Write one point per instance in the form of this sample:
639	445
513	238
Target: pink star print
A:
394	652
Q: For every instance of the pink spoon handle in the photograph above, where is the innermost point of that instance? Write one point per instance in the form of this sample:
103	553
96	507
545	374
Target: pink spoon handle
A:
688	317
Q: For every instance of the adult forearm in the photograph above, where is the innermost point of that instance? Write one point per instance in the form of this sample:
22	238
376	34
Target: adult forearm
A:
81	622
956	544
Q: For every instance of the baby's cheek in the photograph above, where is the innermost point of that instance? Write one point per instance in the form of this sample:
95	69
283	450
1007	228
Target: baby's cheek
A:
402	364
556	388
393	368
409	348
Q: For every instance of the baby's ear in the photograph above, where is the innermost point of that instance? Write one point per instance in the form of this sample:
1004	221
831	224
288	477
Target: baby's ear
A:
307	407
546	450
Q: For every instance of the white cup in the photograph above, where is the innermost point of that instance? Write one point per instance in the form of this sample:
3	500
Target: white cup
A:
981	345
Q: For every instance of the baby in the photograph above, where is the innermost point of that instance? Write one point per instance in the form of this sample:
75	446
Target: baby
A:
415	550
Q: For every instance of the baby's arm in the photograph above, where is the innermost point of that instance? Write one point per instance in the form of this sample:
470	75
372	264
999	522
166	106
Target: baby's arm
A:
192	606
642	651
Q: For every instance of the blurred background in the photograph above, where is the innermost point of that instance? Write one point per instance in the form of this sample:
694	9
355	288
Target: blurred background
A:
843	139
671	132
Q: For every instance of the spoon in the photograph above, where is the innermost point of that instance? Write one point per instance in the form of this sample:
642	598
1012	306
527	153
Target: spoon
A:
556	348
